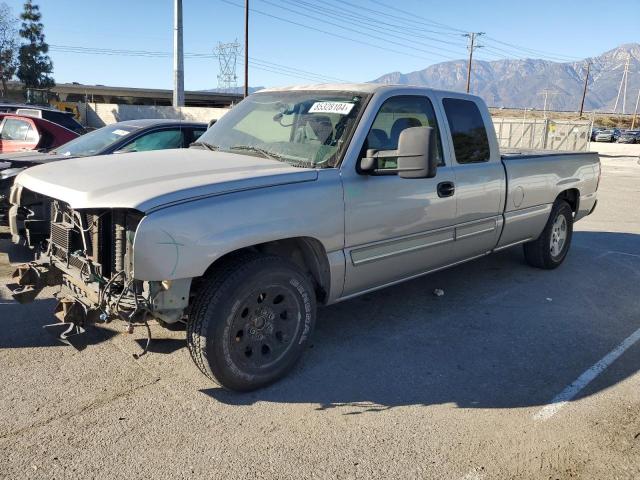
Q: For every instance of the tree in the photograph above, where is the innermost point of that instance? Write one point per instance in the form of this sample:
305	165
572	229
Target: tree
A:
8	46
35	65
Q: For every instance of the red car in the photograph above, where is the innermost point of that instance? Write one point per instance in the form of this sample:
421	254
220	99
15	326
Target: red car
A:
19	133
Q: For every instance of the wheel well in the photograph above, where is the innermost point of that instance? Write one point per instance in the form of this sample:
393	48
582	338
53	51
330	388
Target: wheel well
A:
306	252
572	197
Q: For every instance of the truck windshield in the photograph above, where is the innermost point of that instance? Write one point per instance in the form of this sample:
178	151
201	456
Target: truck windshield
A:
304	128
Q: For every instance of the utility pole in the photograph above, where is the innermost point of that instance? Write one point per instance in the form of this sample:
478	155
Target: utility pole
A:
584	93
472	45
635	112
546	92
623	81
178	57
246	48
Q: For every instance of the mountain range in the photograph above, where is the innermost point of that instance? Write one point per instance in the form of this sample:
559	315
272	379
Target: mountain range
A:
519	83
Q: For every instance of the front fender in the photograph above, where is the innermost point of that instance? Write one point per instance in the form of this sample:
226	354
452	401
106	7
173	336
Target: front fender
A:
182	241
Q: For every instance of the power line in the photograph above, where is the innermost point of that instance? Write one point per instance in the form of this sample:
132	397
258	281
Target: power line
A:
413	15
547	55
357	17
332	34
386	28
351	29
259	63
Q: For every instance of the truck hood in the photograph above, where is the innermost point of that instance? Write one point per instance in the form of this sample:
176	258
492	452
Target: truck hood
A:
149	180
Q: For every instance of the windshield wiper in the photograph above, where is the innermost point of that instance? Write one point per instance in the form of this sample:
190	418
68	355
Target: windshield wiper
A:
206	145
265	153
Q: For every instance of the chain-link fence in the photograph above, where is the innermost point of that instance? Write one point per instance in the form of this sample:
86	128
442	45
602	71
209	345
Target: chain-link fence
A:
541	134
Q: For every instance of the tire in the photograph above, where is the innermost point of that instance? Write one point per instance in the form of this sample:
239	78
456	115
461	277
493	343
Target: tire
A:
251	321
549	250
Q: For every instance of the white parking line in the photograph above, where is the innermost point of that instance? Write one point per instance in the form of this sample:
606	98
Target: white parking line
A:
614	252
474	475
583	380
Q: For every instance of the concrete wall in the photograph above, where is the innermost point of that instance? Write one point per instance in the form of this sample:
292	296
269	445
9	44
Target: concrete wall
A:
98	115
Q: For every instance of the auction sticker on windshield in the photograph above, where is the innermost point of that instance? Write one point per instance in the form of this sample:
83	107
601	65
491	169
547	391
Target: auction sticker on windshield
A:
342	108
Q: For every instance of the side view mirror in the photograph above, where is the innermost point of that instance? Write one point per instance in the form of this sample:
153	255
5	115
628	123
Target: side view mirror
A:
415	155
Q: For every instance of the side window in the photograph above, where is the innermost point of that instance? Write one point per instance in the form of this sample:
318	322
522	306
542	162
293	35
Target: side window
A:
32	135
160	140
14	129
197	133
470	141
395	115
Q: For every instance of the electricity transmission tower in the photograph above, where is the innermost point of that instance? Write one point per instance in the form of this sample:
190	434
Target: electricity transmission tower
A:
623	81
227	54
472	45
546	92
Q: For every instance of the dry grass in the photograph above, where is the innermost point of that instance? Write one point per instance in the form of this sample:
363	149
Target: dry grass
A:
599	119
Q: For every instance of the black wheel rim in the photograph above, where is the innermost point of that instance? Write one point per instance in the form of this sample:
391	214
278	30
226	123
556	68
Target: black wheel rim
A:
264	327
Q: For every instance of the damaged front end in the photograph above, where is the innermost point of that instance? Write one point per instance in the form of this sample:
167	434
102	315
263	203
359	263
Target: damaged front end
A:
89	255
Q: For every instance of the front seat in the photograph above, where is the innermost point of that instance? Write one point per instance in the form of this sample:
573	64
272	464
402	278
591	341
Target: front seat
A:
397	128
322	128
316	129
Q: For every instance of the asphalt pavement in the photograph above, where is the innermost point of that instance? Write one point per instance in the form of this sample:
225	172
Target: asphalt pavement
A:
513	373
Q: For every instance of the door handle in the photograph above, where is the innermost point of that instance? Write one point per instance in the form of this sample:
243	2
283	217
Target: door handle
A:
446	189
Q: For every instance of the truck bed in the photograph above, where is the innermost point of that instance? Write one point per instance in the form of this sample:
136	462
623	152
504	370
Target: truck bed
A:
535	178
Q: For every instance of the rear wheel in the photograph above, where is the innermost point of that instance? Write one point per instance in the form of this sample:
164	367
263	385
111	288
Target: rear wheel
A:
251	322
550	249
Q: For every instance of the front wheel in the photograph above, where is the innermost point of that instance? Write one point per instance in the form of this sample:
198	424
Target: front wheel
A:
251	322
551	247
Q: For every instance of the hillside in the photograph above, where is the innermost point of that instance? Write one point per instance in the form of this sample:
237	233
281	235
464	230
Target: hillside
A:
517	83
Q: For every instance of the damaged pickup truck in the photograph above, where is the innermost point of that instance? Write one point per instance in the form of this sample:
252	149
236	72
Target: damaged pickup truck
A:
297	197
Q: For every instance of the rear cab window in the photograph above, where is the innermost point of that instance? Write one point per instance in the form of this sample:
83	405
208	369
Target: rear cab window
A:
468	131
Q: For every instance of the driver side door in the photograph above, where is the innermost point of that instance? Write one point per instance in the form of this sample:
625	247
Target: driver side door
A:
397	228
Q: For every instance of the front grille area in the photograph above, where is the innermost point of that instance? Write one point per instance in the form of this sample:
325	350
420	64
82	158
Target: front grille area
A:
97	237
63	236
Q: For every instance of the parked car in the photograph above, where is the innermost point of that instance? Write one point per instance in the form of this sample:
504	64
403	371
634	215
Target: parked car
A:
20	133
128	136
609	135
296	197
629	136
64	119
594	132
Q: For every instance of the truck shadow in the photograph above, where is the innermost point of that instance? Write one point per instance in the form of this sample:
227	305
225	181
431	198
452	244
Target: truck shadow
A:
504	335
24	327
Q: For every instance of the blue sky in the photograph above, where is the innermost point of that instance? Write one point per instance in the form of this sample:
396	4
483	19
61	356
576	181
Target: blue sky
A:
384	39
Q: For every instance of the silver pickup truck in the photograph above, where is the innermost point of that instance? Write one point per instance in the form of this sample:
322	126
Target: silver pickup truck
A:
297	197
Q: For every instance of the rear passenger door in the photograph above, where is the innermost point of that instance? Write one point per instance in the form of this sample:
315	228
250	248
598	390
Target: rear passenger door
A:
479	177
